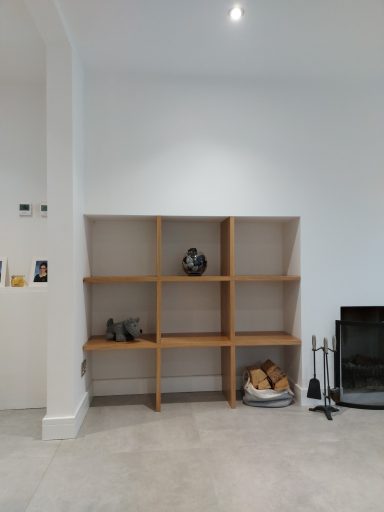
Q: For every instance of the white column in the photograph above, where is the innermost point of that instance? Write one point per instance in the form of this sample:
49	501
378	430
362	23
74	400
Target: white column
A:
67	396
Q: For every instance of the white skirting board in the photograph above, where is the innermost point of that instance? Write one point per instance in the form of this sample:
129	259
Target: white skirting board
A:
66	427
301	397
107	387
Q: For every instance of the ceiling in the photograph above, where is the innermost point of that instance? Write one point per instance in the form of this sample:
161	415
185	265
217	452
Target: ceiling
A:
276	38
195	37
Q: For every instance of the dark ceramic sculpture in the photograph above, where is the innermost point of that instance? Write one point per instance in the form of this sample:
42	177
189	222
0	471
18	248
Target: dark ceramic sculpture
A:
194	262
128	330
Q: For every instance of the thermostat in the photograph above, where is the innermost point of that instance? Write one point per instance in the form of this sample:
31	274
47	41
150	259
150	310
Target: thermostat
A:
43	209
25	209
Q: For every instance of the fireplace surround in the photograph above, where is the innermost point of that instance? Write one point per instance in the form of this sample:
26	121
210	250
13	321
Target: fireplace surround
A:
359	358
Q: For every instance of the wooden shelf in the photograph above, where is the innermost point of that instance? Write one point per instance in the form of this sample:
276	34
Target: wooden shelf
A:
193	279
146	341
187	279
174	340
119	279
179	340
265	338
266	278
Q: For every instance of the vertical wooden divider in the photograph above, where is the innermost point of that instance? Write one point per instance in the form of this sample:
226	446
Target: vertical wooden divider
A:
158	380
158	311
227	263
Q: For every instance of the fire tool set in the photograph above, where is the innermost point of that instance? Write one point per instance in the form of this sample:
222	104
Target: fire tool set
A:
314	390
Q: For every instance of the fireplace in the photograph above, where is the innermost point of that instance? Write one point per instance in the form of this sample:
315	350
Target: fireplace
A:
359	358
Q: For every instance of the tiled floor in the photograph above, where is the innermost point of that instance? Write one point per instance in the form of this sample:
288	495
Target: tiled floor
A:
195	456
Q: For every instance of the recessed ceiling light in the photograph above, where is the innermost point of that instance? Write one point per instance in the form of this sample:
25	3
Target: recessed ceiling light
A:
236	13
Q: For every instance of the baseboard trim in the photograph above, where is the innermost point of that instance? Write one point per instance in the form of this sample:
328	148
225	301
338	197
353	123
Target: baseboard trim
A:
107	387
301	397
65	427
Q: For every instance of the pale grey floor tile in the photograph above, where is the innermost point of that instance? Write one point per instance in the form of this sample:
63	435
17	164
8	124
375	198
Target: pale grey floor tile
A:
174	481
247	425
125	482
311	464
23	457
195	457
101	419
104	418
293	482
24	422
20	477
165	431
87	484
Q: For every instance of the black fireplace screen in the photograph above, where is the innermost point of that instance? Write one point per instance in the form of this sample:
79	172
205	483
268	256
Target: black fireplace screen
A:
359	363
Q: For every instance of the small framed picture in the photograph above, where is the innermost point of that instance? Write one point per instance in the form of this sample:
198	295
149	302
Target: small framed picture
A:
3	270
39	272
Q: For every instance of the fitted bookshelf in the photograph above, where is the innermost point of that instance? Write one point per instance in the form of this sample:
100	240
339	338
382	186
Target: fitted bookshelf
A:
249	295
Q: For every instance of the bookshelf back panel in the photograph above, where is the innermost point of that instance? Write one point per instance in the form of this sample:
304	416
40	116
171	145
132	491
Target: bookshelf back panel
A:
258	247
123	247
124	364
267	246
191	307
123	301
191	361
259	306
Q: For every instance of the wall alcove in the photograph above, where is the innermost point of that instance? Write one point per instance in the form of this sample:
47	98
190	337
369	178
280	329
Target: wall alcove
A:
247	300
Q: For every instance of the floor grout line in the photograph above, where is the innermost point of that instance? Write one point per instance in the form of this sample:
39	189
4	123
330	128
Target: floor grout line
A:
43	475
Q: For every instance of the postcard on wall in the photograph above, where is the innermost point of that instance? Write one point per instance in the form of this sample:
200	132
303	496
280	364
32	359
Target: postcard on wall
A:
3	270
39	272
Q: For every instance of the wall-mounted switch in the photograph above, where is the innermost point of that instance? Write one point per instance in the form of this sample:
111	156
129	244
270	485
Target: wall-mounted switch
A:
43	209
25	209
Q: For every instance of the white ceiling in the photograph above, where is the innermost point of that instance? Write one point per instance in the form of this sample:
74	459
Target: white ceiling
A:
284	38
195	37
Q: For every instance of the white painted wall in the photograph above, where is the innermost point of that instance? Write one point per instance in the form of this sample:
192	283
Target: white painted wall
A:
314	150
23	173
23	314
23	348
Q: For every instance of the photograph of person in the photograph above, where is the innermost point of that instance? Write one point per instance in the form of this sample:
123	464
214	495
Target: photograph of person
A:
41	272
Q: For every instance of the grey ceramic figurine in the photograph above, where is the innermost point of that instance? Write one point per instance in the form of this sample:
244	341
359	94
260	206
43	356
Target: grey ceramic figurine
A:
127	330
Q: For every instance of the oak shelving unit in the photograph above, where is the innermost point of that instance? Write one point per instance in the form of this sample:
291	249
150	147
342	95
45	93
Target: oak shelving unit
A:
228	272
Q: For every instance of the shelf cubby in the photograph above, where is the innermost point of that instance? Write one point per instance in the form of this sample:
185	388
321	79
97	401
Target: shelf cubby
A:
123	247
207	235
267	248
191	307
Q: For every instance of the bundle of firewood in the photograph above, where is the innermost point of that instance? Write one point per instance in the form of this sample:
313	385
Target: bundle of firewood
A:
268	376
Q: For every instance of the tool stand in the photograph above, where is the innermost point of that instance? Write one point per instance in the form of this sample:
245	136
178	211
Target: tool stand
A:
327	408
